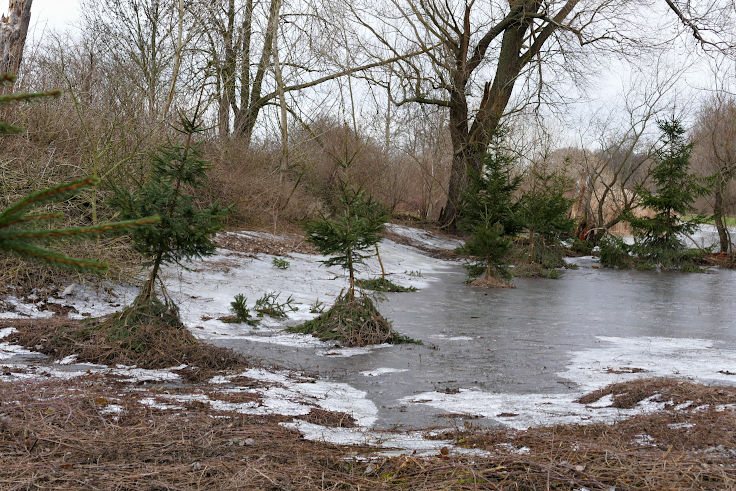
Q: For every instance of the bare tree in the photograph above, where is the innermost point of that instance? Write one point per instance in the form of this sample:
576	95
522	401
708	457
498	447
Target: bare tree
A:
714	155
487	51
141	36
607	177
13	32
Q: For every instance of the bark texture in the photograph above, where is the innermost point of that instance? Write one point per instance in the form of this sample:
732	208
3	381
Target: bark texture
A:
13	32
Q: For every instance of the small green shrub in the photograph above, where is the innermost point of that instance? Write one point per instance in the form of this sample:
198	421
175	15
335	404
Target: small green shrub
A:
317	307
383	285
582	247
241	312
615	253
269	305
280	263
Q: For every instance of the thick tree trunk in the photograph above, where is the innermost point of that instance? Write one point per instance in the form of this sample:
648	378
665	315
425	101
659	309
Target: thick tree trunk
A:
13	32
469	144
723	235
461	157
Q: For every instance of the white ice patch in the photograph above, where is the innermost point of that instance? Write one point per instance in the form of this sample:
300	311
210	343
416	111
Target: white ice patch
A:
522	411
424	237
133	374
593	369
444	337
382	371
67	360
7	331
281	339
680	426
151	402
297	396
308	281
697	359
8	350
354	351
410	442
111	409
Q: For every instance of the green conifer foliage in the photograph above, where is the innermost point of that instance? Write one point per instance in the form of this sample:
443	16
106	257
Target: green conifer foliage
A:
19	232
672	195
543	211
349	235
185	230
489	214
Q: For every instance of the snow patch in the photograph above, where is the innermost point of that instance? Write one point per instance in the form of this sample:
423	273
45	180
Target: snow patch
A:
424	237
354	351
592	369
412	442
444	337
382	371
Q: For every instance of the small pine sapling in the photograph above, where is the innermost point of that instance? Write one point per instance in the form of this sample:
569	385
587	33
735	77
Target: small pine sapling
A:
543	212
671	197
489	214
185	231
349	236
240	310
19	232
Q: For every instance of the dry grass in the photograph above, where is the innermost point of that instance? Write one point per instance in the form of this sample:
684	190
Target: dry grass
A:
491	282
722	260
161	345
65	435
283	245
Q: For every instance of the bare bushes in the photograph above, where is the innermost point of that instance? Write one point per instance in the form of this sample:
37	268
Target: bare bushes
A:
248	180
406	182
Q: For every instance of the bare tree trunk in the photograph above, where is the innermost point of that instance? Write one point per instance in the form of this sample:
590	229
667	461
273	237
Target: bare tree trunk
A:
720	222
284	158
245	118
177	60
13	32
380	262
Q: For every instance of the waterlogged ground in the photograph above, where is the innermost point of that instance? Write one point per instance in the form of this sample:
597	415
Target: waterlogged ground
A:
515	357
521	356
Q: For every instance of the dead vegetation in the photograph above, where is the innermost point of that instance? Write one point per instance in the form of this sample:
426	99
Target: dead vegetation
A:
282	245
722	260
674	392
150	345
352	322
95	433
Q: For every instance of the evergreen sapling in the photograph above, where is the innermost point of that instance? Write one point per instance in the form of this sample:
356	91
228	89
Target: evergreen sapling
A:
185	231
348	238
489	214
543	212
671	197
20	231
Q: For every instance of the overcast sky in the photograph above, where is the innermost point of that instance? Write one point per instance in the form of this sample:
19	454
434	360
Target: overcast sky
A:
52	14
